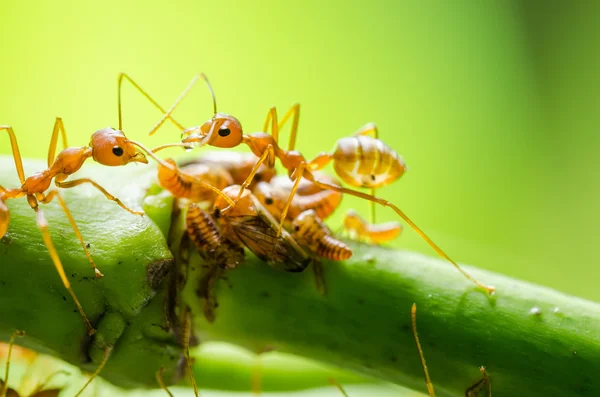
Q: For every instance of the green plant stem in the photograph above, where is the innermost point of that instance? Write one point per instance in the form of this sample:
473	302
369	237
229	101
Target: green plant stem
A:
533	341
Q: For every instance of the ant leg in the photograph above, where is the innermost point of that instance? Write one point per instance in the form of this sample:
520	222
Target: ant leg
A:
58	127
186	348
11	341
107	351
477	387
77	182
339	386
294	113
297	175
49	198
43	226
413	319
16	153
272	118
124	76
398	211
181	97
268	155
317	268
369	128
160	381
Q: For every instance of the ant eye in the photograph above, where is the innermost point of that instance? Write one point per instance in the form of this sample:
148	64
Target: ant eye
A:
268	200
117	151
297	228
217	213
224	131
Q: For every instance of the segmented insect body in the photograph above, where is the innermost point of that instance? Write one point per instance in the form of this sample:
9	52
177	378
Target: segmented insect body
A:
375	233
274	199
209	241
311	232
252	225
364	161
182	183
237	164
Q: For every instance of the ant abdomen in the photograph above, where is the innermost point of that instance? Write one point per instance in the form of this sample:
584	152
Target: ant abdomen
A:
364	161
183	183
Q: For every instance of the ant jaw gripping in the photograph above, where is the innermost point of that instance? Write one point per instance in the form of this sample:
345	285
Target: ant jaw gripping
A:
110	147
223	130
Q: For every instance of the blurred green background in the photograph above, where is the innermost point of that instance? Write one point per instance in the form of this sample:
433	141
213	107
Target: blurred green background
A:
493	105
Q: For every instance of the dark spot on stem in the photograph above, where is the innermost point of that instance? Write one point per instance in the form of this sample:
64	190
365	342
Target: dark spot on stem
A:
88	245
64	298
394	359
265	294
360	301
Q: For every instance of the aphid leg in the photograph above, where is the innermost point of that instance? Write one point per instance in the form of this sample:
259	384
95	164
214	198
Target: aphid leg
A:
58	127
269	156
272	119
124	76
77	182
187	329
339	386
297	177
477	387
15	150
367	129
293	113
43	226
107	351
256	376
160	381
48	198
11	342
398	211
181	97
207	291
413	319
317	268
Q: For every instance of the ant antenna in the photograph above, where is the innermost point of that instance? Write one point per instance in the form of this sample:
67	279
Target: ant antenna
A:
212	92
413	315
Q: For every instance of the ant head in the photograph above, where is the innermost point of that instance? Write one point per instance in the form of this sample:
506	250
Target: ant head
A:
223	130
111	147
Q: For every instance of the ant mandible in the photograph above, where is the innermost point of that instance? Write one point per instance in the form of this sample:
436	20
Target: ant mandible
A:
225	131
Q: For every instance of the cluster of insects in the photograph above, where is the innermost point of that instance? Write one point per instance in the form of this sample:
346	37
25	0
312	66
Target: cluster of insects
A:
233	200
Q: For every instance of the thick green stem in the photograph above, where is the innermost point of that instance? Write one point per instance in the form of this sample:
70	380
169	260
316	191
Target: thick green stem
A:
532	340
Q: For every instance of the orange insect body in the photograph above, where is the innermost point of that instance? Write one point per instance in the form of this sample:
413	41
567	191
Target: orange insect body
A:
183	183
310	231
238	165
207	238
274	199
377	233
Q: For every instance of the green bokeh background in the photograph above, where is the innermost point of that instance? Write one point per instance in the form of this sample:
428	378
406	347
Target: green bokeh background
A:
492	104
